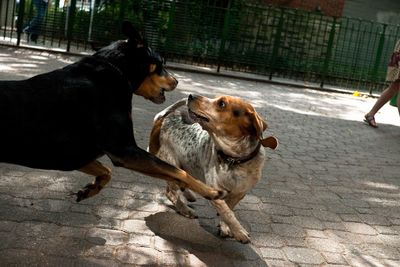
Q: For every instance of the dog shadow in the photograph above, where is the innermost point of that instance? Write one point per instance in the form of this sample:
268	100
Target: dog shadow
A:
187	234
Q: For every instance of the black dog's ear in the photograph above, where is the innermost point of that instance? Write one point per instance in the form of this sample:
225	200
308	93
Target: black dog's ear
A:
133	35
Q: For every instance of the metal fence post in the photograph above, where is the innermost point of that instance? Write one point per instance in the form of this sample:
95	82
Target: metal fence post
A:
20	20
328	53
225	32
121	13
166	47
71	21
378	57
277	42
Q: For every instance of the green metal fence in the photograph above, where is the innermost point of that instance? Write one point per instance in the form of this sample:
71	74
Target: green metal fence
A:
235	35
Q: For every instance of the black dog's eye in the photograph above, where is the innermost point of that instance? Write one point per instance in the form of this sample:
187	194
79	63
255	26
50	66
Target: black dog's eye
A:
221	104
159	68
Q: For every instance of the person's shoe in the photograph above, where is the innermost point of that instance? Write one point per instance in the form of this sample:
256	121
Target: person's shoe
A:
370	120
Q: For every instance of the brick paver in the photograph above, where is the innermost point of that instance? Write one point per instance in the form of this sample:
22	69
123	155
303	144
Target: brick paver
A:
329	195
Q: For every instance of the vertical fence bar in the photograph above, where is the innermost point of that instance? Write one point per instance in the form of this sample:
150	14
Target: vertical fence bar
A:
20	20
378	56
6	18
225	32
277	42
165	48
328	53
71	21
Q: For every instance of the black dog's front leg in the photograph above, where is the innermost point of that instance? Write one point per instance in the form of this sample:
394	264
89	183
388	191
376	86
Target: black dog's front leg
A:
139	160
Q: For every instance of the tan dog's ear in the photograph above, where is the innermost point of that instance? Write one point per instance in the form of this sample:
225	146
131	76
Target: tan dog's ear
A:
270	142
258	123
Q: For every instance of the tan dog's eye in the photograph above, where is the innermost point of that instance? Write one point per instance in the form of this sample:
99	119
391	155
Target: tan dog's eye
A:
221	104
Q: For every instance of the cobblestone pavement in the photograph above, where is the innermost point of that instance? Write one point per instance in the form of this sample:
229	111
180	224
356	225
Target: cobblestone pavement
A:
329	195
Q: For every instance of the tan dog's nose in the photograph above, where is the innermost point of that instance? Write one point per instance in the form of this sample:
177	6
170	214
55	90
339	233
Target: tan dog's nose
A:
192	97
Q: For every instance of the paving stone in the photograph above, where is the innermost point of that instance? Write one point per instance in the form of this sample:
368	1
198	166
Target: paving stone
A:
326	245
350	218
388	230
174	259
360	228
106	237
272	253
344	237
288	230
7	226
276	209
375	220
326	216
307	222
268	240
303	255
260	227
334	258
137	255
136	226
296	241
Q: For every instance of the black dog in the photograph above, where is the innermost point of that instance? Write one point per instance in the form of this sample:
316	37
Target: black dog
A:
67	118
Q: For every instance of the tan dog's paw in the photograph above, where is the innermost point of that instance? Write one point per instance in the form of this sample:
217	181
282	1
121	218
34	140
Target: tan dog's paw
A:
224	230
242	236
185	210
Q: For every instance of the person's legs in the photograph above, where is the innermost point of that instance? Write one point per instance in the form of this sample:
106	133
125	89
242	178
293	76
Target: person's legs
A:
398	99
386	95
35	24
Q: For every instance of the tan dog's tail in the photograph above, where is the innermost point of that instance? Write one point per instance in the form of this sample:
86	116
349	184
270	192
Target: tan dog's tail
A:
154	144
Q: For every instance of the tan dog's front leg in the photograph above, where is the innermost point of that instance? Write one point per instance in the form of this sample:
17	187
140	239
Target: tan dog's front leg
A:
227	216
232	201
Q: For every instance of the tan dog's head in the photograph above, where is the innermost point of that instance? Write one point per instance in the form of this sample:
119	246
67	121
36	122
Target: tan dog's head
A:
230	117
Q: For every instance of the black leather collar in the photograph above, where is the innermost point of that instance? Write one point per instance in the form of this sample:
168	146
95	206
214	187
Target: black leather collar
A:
231	161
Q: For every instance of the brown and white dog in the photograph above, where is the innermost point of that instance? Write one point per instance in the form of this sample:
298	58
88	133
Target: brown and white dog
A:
224	149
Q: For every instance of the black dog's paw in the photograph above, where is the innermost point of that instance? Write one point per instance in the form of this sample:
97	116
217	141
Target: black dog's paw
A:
222	194
86	192
80	195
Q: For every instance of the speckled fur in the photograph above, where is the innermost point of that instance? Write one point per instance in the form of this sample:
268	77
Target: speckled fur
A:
186	145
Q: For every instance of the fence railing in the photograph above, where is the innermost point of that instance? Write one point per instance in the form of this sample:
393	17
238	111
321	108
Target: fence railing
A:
232	35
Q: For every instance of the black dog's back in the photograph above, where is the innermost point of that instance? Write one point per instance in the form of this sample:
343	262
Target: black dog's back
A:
48	121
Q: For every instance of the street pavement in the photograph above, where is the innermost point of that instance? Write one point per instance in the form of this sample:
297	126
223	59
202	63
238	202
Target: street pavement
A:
329	195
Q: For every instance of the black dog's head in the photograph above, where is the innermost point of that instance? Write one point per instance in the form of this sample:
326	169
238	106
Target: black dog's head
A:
142	66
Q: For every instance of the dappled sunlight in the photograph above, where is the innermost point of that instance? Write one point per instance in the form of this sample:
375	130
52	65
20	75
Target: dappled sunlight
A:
384	202
381	185
23	64
301	101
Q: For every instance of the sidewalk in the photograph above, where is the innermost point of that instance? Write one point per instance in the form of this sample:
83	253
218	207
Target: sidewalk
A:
329	196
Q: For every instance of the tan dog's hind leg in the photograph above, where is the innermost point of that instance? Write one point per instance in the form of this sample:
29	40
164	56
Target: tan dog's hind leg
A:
227	216
103	176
